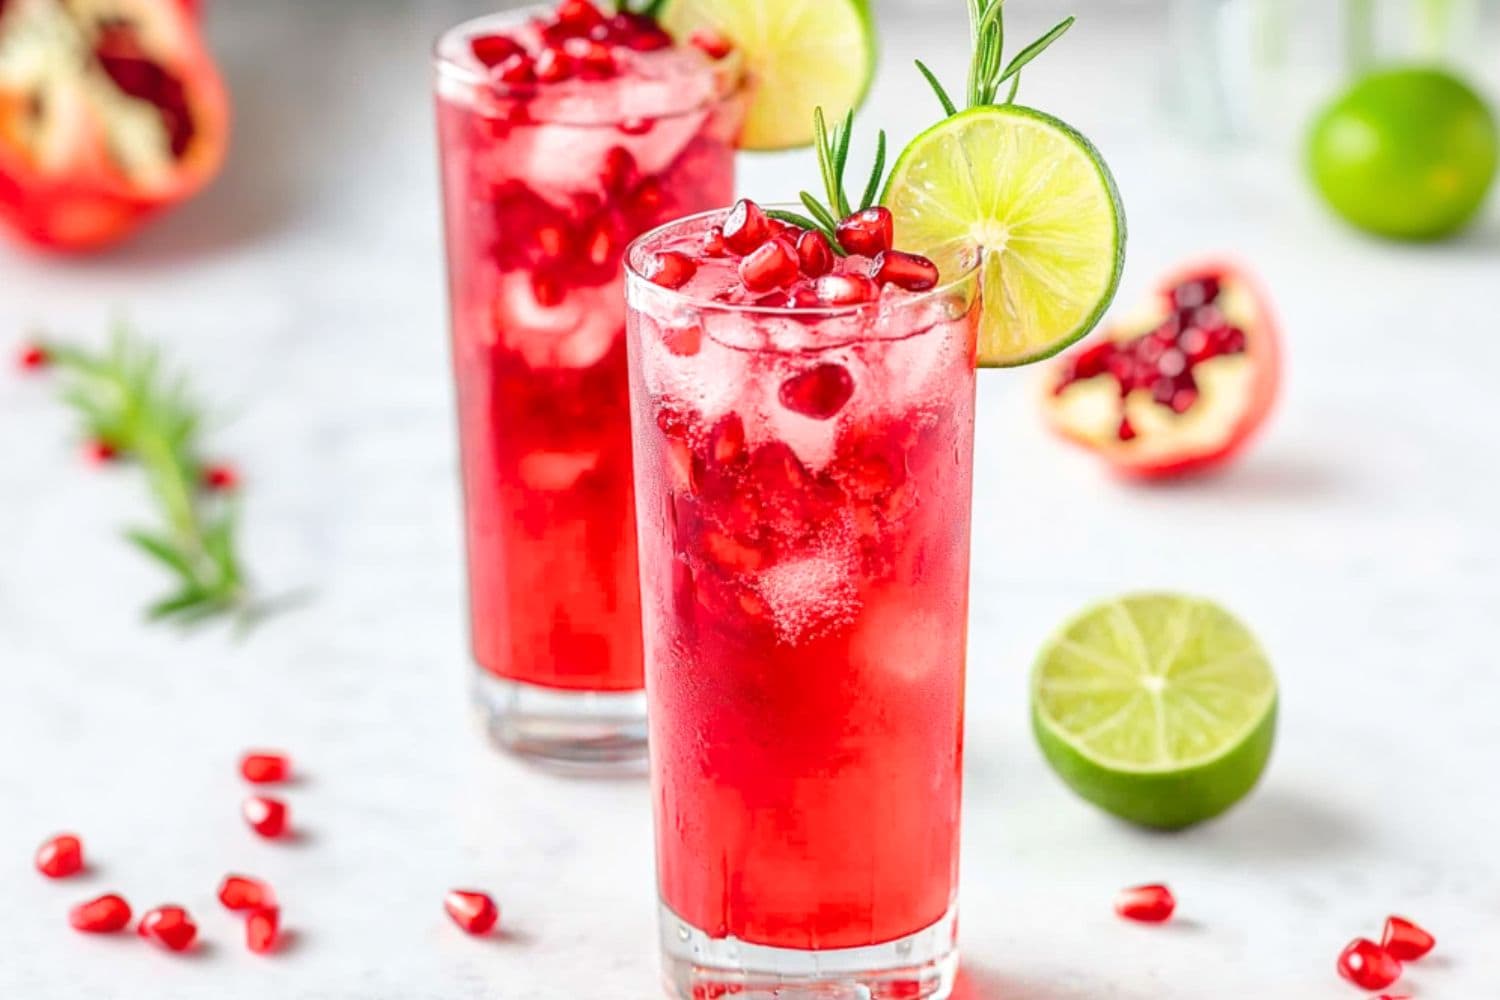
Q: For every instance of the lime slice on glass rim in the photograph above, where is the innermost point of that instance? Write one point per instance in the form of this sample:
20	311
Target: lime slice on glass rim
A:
1158	708
1031	200
800	54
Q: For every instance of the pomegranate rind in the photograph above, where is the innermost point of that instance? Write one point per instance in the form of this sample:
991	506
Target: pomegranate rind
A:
1138	459
1157	708
800	54
1029	200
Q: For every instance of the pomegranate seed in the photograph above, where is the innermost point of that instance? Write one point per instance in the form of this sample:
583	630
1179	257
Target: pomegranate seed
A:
262	928
727	440
1126	431
818	392
846	289
669	269
591	60
241	892
221	479
100	452
715	45
266	816
1405	941
553	65
265	767
639	32
33	357
1147	904
745	227
1183	399
1368	966
683	341
168	926
1194	294
814	254
107	914
519	68
620	172
60	856
495	49
636	126
713	242
578	15
474	911
867	233
772	265
547	290
904	270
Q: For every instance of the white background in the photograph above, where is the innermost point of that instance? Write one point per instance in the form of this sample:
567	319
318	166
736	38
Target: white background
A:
305	293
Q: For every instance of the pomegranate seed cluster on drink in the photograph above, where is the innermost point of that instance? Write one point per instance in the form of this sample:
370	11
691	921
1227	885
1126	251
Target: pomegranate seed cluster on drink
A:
563	137
803	487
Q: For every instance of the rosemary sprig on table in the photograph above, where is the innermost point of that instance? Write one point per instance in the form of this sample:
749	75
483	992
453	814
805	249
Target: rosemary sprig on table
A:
833	160
988	71
133	408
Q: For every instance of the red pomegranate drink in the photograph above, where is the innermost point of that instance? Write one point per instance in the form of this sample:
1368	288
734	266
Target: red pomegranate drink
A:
803	450
564	134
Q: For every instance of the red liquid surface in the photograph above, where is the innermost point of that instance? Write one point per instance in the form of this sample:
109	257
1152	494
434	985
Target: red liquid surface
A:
805	590
538	215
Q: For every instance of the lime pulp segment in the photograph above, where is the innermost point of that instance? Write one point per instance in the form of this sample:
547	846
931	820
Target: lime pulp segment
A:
801	55
1028	199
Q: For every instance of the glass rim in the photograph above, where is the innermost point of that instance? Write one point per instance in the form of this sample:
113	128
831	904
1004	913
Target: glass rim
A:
911	301
448	69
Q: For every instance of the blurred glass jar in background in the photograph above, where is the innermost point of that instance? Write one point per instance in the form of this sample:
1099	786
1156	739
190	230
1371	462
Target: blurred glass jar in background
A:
1253	71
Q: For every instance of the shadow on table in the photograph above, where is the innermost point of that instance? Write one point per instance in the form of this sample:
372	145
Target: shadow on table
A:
1277	825
975	982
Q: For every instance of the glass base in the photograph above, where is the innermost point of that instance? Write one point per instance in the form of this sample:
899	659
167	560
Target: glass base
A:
583	732
920	966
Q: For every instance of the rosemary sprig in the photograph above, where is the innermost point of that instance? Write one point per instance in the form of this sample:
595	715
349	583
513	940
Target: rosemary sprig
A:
133	408
988	71
833	161
644	8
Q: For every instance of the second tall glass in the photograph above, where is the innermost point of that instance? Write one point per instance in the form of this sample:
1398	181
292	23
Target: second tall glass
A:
544	186
803	482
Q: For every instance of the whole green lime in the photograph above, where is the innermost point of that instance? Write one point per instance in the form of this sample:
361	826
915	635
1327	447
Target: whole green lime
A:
1405	153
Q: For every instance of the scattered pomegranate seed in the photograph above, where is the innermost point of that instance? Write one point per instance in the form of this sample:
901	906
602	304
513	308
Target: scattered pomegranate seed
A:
241	892
60	856
1368	966
265	767
33	357
107	914
519	68
100	452
1147	904
1405	941
552	65
168	926
715	45
819	392
266	816
904	270
713	242
262	928
845	289
814	254
495	49
221	478
771	265
669	269
472	910
745	227
868	232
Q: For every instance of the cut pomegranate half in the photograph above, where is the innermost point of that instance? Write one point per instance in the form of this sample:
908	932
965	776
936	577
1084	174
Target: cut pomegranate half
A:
110	111
1182	389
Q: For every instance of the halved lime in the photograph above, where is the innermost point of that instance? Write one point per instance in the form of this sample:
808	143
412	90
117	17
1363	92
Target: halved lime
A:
1158	708
801	55
1030	199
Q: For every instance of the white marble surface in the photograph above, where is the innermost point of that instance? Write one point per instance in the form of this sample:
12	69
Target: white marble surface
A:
1360	540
